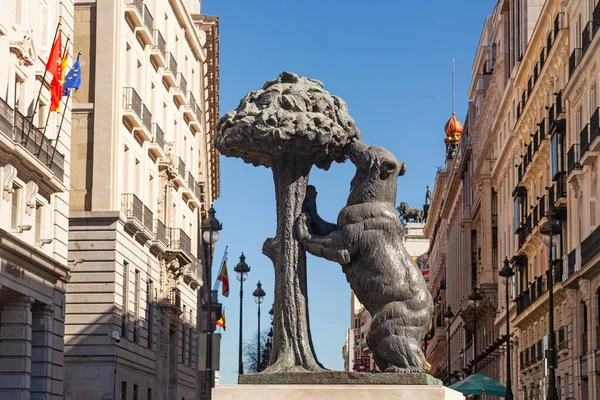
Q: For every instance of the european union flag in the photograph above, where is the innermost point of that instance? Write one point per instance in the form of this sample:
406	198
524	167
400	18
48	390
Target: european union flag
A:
73	79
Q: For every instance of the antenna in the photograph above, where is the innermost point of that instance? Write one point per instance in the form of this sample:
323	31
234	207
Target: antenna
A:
453	87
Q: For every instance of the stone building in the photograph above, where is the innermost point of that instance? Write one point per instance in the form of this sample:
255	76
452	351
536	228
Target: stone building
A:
34	186
356	352
145	172
533	127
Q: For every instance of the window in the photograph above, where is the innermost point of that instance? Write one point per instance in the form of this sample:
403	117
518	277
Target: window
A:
135	392
45	30
15	210
183	337
125	300
149	394
19	8
150	312
557	155
123	390
136	306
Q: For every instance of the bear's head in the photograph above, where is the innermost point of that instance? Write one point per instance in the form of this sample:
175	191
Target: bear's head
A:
377	171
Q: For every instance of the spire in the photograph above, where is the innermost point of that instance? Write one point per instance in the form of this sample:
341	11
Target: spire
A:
453	88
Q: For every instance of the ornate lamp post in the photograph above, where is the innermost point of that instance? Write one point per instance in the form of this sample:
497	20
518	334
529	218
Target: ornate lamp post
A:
448	315
507	272
551	231
259	296
475	297
241	270
210	234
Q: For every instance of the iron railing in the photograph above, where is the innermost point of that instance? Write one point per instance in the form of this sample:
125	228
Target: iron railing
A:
160	43
574	60
148	19
132	207
160	233
132	101
584	140
138	4
595	125
198	191
183	85
190	181
590	247
171	64
158	136
586	37
559	23
571	260
146	118
148	217
180	241
180	167
573	158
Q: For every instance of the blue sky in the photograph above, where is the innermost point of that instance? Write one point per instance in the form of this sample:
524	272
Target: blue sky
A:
391	62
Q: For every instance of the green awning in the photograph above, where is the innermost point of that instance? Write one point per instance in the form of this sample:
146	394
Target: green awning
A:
480	384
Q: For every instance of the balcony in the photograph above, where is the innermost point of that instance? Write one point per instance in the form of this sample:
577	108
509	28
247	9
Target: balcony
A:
134	12
179	169
192	274
595	131
180	93
574	60
157	145
145	32
590	247
170	72
160	241
586	37
132	108
133	212
193	113
560	188
31	147
158	54
180	245
573	158
556	113
188	189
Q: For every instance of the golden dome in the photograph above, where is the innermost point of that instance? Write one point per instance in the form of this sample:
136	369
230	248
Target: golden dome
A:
453	127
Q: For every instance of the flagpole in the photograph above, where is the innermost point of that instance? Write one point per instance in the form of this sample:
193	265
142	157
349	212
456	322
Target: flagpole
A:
63	118
218	282
37	100
48	117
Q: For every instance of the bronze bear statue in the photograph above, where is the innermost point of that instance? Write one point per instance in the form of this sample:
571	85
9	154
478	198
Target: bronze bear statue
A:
367	242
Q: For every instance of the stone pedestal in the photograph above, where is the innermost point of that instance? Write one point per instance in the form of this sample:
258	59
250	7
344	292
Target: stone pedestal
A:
334	392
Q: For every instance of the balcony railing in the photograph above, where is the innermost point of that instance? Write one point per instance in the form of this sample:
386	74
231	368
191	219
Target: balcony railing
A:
158	136
590	247
132	101
198	191
133	208
160	44
160	233
584	139
146	118
148	217
179	241
190	181
19	129
559	23
574	60
138	5
148	19
573	157
586	36
180	167
571	260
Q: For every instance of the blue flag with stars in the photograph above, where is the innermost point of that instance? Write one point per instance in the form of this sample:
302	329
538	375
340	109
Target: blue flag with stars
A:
73	79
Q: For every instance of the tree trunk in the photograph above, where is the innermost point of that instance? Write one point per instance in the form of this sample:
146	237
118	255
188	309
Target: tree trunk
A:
292	344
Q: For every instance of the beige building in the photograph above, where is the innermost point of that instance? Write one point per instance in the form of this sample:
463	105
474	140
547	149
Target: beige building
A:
532	136
145	172
34	185
356	353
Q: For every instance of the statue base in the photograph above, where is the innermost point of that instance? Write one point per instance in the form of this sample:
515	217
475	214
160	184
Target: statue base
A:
339	378
334	392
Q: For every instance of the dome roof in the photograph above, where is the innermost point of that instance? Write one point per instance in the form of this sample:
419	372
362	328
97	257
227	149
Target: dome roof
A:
453	126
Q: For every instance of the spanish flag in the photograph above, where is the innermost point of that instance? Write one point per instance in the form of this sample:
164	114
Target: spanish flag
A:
221	321
224	279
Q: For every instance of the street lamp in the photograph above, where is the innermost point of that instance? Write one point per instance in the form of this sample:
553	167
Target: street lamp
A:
507	272
210	234
551	231
448	315
475	297
241	270
259	296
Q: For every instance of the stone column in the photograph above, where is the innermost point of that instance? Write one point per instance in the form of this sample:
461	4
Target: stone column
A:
41	352
15	348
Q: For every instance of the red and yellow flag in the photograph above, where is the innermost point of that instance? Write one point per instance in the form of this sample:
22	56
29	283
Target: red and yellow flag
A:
54	59
221	321
224	279
56	89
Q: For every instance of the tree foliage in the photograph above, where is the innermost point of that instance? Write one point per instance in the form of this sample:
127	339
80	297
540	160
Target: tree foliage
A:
249	351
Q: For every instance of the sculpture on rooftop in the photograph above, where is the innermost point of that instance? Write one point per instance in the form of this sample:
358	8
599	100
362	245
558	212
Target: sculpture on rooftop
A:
408	214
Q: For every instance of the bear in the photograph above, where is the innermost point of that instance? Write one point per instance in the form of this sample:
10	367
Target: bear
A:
367	243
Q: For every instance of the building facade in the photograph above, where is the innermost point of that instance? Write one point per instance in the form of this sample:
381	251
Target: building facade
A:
34	181
356	353
532	128
145	174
